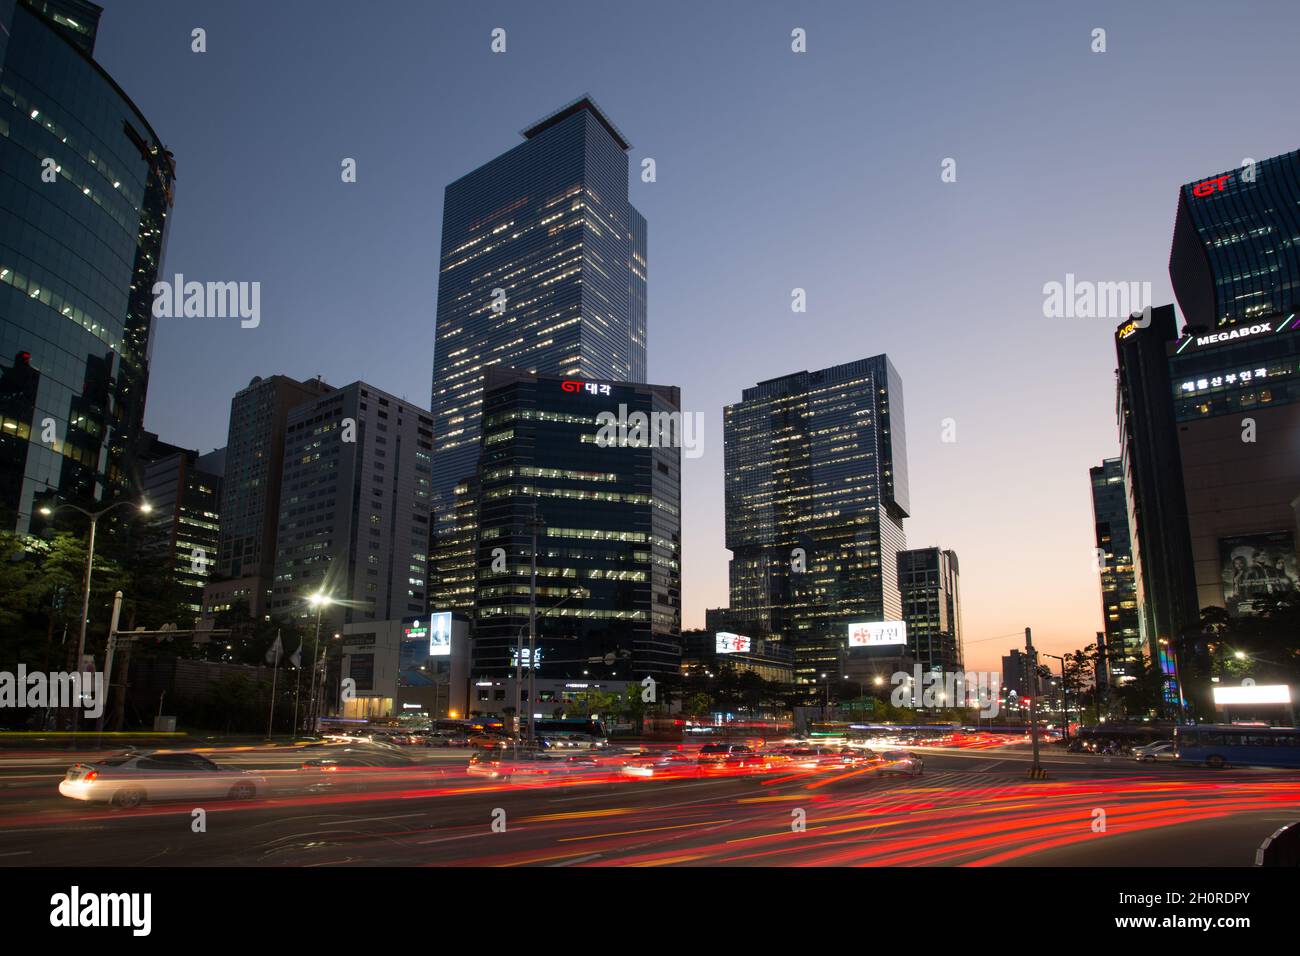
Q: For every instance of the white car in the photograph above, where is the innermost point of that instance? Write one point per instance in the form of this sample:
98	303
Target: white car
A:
1160	750
903	762
129	779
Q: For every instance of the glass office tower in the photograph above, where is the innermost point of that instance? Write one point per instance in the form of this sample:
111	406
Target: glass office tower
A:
816	494
929	583
1122	638
610	524
543	268
81	241
1235	258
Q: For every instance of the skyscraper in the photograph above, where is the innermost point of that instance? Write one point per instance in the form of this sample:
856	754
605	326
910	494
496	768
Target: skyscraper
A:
184	491
543	269
1235	256
1122	638
816	493
610	513
928	582
1155	499
353	519
85	189
250	491
1209	414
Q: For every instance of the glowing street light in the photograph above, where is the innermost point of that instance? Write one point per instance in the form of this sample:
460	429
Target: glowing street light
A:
145	508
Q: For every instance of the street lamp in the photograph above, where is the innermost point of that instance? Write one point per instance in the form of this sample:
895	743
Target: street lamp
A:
320	600
578	592
94	516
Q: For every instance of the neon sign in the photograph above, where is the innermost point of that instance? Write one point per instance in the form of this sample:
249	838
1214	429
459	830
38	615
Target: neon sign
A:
573	386
1201	190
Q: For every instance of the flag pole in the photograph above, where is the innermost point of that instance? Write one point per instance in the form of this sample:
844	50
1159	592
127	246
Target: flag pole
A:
296	691
275	672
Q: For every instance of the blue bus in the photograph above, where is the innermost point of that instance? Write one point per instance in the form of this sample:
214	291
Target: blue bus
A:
1219	745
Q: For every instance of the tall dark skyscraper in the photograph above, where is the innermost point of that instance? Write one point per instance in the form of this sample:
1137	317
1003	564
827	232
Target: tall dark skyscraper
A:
1122	638
816	494
85	189
1209	415
250	492
610	525
1235	257
929	584
184	490
543	269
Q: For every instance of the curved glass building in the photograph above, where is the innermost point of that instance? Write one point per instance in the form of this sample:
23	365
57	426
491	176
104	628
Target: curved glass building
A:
85	187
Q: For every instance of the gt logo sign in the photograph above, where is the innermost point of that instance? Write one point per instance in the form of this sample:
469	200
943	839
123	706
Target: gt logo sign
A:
1201	190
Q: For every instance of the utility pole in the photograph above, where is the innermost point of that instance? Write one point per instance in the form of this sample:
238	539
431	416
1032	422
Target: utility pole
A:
109	648
1035	769
532	627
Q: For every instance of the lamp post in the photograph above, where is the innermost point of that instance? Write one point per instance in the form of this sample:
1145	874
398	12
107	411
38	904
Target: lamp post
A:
320	600
578	592
94	517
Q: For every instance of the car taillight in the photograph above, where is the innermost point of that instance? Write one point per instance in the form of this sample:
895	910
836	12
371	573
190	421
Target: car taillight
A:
91	776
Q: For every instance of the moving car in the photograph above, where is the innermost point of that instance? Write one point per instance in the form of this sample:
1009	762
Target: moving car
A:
666	763
901	762
529	765
129	779
718	757
1160	750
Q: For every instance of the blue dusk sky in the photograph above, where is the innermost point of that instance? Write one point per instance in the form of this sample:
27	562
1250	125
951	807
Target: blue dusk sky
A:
775	170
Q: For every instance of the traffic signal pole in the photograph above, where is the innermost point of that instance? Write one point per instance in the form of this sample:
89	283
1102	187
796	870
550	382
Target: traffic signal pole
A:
1036	769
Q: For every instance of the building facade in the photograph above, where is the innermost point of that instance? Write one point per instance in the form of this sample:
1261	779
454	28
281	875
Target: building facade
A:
250	494
1210	422
85	192
354	508
1121	641
816	493
609	512
183	489
543	269
929	584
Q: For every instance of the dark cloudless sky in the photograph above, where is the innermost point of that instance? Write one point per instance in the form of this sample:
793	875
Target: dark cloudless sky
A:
775	170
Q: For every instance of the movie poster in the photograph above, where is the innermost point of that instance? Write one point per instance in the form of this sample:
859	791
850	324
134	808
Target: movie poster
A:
1258	571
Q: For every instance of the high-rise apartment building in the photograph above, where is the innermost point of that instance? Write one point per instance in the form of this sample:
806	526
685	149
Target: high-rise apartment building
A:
250	494
354	508
85	191
543	269
928	582
816	494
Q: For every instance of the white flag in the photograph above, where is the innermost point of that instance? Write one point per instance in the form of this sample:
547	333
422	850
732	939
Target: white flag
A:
274	651
296	657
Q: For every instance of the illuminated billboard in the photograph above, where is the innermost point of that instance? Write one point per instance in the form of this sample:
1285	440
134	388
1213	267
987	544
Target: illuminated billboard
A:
440	634
877	633
1253	694
728	643
1258	570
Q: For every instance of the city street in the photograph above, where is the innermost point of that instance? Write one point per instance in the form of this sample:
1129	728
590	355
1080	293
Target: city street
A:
967	809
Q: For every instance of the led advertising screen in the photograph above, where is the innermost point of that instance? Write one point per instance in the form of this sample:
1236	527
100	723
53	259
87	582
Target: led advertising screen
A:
728	643
1258	571
440	634
877	633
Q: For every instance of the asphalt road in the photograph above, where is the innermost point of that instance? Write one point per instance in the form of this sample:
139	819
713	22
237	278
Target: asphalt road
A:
975	808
